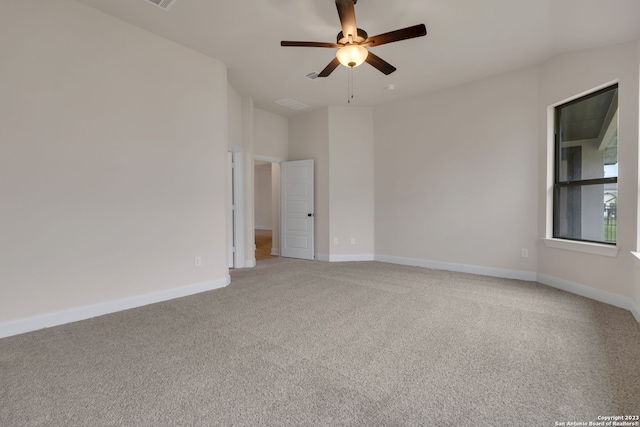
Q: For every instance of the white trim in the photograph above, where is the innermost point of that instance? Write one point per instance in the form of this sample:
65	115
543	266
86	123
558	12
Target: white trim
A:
565	285
250	263
263	227
275	251
238	181
462	268
586	247
550	166
231	247
586	92
269	159
592	293
635	310
346	258
550	154
48	320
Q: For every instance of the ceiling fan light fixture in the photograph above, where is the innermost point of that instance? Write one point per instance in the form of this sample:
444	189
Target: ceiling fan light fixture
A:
352	55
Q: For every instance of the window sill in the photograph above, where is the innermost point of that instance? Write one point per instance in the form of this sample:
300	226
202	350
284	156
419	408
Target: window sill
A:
586	247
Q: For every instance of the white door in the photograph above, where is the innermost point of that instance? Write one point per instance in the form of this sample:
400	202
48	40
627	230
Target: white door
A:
296	209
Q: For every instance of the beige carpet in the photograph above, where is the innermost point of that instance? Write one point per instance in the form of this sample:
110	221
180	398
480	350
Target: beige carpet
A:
310	343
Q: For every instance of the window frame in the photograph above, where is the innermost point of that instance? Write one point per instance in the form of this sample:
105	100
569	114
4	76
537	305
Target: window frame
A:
558	185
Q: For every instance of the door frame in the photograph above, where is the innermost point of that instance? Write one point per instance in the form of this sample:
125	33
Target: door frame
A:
231	247
278	160
238	213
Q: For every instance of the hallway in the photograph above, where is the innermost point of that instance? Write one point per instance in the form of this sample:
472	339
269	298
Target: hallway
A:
263	245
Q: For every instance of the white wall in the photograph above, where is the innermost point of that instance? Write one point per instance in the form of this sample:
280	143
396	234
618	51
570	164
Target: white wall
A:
112	170
351	182
234	115
271	135
309	139
275	208
635	278
261	135
636	266
340	140
456	175
262	196
564	77
248	146
234	144
112	174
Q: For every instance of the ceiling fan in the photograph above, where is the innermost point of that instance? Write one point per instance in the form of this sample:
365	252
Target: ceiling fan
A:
352	42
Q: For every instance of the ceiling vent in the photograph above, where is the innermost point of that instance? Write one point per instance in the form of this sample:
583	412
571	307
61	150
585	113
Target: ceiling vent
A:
312	76
162	4
290	103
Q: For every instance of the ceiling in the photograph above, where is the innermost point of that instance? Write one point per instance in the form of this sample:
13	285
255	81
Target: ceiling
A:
588	118
466	40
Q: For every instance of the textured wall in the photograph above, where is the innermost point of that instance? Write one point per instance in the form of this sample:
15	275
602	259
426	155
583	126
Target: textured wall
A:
456	174
113	167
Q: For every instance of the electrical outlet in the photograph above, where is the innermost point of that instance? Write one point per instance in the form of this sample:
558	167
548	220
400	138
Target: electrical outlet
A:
353	240
335	241
525	253
198	261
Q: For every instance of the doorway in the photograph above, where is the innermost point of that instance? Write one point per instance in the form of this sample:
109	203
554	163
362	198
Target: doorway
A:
266	208
283	199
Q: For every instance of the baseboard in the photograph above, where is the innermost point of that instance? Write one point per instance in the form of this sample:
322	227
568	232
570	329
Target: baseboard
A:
263	227
461	268
344	258
249	263
347	258
34	323
275	251
592	293
565	285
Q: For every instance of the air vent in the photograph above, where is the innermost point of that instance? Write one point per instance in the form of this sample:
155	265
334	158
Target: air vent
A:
312	76
162	4
290	103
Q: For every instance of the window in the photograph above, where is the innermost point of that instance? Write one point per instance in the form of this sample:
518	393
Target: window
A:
586	168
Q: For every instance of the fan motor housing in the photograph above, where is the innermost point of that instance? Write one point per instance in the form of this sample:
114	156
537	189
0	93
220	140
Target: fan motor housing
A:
361	37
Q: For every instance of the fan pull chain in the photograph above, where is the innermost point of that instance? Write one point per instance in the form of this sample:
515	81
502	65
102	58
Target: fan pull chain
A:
351	82
350	86
349	74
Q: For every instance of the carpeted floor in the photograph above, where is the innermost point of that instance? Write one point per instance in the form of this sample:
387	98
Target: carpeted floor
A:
309	343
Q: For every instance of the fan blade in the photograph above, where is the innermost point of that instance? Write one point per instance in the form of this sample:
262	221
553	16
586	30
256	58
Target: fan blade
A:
379	63
309	44
347	15
397	35
329	68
